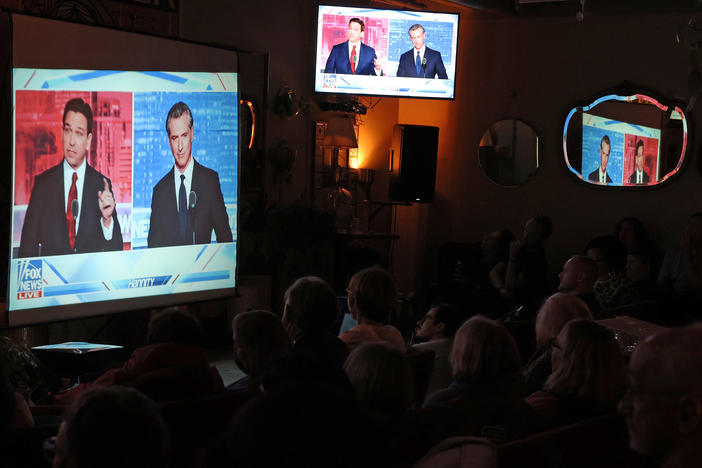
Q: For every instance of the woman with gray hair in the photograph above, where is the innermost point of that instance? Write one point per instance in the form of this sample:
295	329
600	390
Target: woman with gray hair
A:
558	310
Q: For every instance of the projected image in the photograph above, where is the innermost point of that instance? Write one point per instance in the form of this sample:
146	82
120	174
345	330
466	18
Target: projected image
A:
165	143
125	185
641	157
609	152
386	52
89	133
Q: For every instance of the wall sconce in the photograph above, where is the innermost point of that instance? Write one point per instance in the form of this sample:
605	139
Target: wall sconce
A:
353	158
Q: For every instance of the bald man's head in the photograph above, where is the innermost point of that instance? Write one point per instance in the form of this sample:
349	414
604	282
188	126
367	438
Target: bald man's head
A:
663	406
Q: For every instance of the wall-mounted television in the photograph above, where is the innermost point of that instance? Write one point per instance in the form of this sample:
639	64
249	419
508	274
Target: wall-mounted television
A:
404	53
124	173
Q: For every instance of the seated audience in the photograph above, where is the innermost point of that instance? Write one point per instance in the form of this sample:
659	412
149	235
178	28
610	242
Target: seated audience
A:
682	265
172	366
435	332
641	271
112	427
384	386
523	278
558	310
371	299
311	318
681	274
464	272
587	379
258	337
301	424
381	378
612	289
298	367
663	402
631	233
485	398
578	279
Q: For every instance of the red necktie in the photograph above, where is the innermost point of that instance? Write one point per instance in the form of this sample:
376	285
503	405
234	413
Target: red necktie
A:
72	195
353	60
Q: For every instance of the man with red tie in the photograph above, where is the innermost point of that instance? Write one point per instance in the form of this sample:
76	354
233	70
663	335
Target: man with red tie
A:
72	207
353	57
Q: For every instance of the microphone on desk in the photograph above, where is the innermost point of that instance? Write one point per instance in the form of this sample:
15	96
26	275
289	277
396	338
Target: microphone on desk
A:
424	67
192	201
75	206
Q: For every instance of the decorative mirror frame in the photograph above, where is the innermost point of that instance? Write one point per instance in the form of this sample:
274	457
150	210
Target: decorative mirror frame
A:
635	95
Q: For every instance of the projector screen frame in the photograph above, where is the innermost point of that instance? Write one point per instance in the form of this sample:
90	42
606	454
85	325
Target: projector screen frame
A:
200	63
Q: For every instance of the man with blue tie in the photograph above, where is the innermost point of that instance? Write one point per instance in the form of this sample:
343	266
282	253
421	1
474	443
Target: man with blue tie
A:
353	57
421	61
187	203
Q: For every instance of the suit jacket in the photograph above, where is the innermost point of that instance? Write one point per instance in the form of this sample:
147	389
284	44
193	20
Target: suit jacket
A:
209	212
595	176
433	68
645	178
45	221
339	62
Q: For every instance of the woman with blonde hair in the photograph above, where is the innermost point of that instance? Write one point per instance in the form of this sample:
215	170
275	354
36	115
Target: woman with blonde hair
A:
558	310
488	384
588	375
371	299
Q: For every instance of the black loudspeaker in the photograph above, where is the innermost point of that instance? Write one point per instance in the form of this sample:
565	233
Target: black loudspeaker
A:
413	163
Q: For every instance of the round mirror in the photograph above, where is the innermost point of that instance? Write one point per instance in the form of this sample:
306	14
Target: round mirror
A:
510	152
625	140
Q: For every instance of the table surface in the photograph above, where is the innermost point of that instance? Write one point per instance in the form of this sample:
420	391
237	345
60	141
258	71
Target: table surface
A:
638	328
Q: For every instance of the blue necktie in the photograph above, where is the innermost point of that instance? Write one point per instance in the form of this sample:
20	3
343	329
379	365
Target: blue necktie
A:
418	62
182	208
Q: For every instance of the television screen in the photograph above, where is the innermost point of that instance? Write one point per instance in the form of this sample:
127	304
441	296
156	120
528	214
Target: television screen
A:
124	177
386	52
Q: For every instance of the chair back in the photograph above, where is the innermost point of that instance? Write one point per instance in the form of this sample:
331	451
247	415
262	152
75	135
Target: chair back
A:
196	425
601	441
422	365
460	452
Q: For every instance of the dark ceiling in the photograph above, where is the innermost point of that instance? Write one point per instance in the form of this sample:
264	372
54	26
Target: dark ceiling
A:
555	8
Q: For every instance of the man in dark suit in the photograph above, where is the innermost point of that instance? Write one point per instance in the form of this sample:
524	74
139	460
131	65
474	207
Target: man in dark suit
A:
71	208
600	175
421	61
639	176
187	203
353	57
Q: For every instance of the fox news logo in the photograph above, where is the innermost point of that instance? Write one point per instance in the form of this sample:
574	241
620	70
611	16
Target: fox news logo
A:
30	284
329	81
